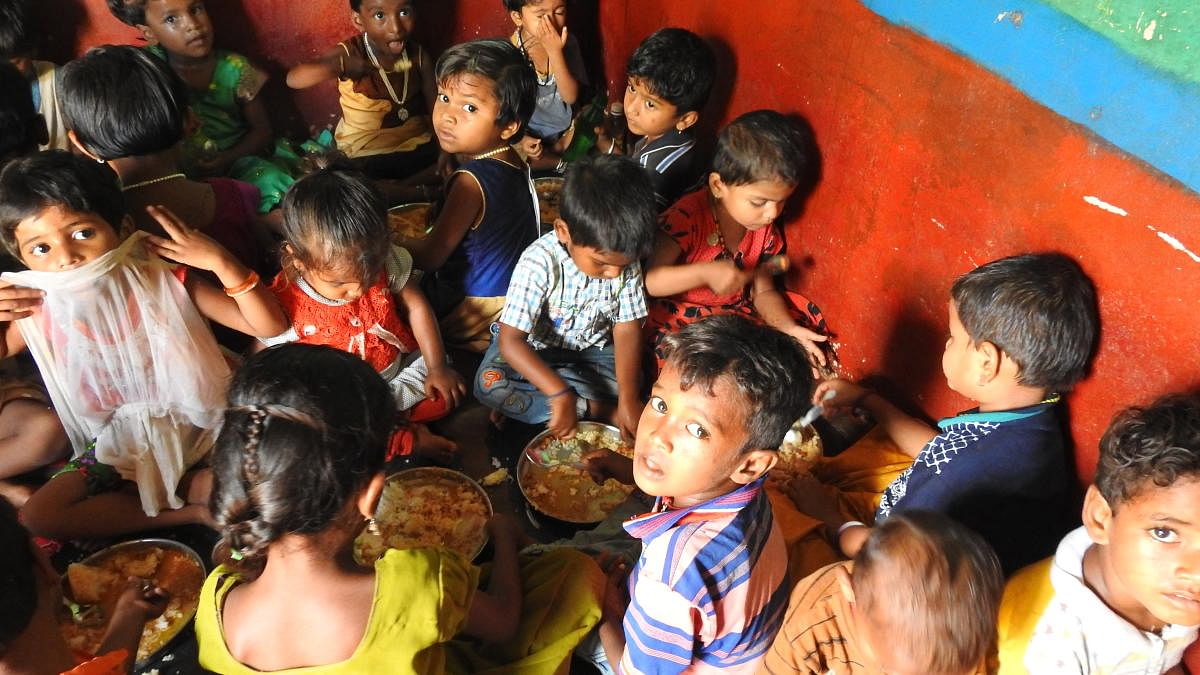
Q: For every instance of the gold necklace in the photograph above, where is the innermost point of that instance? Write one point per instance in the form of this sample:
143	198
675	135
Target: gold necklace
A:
493	152
152	181
403	65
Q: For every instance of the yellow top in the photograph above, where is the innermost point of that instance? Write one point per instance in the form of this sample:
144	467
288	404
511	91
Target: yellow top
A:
1026	596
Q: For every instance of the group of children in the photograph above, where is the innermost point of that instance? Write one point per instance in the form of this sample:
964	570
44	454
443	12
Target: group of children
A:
653	301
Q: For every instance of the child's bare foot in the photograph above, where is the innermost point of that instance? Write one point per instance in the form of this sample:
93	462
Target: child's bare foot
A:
497	418
432	446
196	486
198	514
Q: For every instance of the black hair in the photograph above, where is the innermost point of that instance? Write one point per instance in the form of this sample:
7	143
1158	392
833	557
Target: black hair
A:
122	101
16	29
18	576
608	204
131	12
20	125
1039	309
1157	445
676	66
516	5
765	145
306	428
514	83
43	180
336	219
767	368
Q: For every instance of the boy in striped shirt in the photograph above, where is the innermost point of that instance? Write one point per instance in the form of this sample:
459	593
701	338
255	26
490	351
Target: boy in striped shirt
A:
709	590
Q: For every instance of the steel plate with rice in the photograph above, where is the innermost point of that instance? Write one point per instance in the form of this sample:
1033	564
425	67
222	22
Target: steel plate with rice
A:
427	507
801	448
566	492
411	221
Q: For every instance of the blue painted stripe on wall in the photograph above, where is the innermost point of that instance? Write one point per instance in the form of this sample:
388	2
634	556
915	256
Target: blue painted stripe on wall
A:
1072	70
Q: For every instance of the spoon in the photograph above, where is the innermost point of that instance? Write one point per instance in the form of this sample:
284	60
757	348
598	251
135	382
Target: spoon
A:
815	411
558	452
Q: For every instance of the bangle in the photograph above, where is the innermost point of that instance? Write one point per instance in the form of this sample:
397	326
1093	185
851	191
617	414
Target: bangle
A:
849	524
560	393
245	287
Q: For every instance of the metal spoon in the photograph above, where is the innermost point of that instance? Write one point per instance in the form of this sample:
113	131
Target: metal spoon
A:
559	452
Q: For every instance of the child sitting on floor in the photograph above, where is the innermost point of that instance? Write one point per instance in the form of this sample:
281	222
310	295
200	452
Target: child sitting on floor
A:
569	341
486	93
346	286
1022	331
714	253
1122	594
17	31
670	76
386	87
120	339
920	598
710	588
298	473
235	131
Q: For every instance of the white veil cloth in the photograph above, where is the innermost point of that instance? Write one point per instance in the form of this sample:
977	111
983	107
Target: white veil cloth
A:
129	362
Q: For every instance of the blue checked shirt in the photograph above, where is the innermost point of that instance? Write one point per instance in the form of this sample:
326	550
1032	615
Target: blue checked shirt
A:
560	306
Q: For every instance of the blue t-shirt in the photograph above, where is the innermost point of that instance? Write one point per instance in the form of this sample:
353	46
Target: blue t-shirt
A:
1003	474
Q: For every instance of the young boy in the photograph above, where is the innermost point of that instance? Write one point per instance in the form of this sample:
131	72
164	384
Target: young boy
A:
670	76
569	338
920	598
17	46
1022	330
714	252
1122	594
709	590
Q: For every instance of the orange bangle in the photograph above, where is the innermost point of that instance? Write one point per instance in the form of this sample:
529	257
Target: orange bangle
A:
244	287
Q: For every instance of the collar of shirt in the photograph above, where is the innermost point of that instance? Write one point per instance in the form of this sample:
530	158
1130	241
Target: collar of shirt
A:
663	517
672	140
998	416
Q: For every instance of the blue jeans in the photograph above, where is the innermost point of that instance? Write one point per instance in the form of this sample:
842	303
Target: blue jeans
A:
590	372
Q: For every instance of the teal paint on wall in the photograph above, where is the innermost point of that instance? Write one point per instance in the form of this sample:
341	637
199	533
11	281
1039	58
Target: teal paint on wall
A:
1161	33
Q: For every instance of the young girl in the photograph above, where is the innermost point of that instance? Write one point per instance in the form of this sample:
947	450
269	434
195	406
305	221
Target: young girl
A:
386	88
297	474
344	285
486	93
121	342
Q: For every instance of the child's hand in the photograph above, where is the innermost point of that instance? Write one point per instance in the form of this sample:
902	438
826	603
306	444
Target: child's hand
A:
545	34
602	464
17	302
809	339
616	588
444	383
725	277
142	598
530	148
186	246
629	413
845	394
563	418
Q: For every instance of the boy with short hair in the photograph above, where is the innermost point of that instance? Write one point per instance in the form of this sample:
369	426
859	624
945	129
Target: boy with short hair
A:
1122	594
1022	331
568	342
670	76
920	597
17	45
709	590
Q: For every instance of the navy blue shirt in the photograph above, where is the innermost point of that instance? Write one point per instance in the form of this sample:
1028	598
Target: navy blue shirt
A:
672	163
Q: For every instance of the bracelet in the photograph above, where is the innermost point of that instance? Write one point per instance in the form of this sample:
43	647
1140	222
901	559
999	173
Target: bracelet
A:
560	393
245	287
849	524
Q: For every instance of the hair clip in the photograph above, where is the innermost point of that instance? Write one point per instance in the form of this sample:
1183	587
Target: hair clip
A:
236	554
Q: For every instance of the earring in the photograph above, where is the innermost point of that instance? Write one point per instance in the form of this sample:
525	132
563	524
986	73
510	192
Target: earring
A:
99	161
373	527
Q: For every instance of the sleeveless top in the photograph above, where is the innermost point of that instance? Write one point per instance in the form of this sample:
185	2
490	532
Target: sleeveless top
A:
372	85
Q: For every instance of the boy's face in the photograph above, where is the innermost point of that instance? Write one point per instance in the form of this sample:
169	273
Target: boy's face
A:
648	115
58	239
387	23
591	261
465	113
959	360
754	205
689	442
537	11
1149	553
181	27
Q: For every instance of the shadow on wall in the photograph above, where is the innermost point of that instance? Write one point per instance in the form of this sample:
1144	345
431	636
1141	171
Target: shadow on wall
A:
908	362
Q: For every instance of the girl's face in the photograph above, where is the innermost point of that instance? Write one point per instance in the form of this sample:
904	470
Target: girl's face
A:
535	12
182	27
464	115
58	239
332	284
387	23
753	205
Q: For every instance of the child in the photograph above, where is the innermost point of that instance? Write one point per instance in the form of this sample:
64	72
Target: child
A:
920	598
1022	331
30	638
17	32
21	127
670	75
1122	594
126	107
541	35
346	286
386	86
234	130
710	588
298	473
715	241
486	93
569	340
130	364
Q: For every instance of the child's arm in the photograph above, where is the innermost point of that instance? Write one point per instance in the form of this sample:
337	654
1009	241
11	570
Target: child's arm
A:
771	306
464	206
253	311
441	381
493	613
516	350
334	64
907	432
553	42
664	278
140	602
627	342
612	613
257	139
15	303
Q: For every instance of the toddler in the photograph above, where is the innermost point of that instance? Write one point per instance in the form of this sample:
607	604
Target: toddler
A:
568	343
386	90
298	472
919	598
235	131
715	252
1122	594
346	286
119	337
486	93
17	42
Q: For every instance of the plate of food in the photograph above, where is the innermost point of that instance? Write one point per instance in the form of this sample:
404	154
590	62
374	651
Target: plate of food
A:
549	190
428	506
91	588
411	221
565	491
800	449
